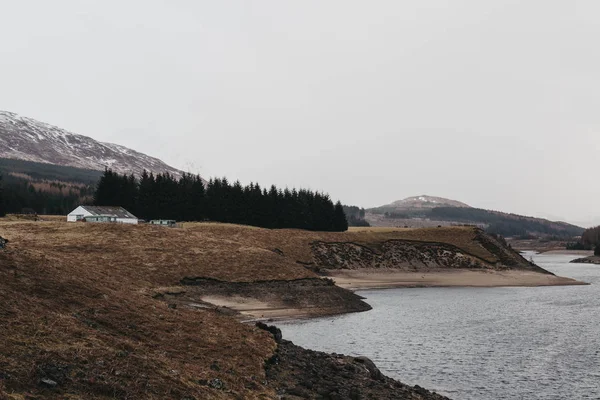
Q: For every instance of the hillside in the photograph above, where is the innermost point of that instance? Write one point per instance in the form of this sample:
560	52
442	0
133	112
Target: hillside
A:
102	311
39	172
427	211
45	188
27	139
422	202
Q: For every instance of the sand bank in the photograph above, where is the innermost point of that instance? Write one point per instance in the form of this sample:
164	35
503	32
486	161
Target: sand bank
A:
570	252
380	279
250	308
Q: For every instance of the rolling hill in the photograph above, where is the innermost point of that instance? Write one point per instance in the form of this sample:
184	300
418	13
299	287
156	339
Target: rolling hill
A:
428	211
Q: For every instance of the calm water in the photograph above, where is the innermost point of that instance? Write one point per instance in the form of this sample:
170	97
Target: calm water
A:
471	343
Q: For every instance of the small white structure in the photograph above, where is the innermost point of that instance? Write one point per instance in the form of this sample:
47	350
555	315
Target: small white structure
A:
171	223
102	214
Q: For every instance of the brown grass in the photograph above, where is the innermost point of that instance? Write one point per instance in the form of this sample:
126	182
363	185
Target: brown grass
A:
76	305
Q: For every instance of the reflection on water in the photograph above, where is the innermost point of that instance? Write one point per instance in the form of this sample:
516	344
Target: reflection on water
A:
477	343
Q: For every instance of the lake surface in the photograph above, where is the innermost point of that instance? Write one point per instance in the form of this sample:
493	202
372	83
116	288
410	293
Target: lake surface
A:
477	343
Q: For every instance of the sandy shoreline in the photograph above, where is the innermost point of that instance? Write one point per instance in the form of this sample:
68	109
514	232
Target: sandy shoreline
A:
251	309
378	279
569	252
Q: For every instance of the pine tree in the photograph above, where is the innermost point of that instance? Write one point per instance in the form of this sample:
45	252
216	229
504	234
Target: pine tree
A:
339	218
143	206
198	200
187	198
106	189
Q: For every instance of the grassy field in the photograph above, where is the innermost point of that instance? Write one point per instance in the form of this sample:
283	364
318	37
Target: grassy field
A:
77	305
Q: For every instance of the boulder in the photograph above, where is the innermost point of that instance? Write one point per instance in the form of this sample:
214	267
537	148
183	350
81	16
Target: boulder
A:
275	331
370	365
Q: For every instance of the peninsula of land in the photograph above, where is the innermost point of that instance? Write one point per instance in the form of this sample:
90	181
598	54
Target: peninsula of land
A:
140	311
587	260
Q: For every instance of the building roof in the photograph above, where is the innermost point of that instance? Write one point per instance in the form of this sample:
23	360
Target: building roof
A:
118	212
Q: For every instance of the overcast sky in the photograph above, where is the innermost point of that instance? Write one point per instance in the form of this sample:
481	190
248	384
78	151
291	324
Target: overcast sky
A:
493	103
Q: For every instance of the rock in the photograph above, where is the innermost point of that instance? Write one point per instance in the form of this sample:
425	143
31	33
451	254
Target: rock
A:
370	365
355	394
301	373
48	382
216	384
587	260
275	331
3	242
298	391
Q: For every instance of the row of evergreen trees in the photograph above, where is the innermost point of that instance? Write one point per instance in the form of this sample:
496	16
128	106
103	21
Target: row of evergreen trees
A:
20	195
590	239
189	199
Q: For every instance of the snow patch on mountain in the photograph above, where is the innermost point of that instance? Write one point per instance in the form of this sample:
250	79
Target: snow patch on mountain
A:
424	201
27	139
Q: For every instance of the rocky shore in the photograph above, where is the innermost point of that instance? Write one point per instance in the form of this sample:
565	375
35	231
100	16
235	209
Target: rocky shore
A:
296	373
273	299
587	260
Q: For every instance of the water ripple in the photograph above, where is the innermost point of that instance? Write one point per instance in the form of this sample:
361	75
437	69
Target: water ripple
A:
475	343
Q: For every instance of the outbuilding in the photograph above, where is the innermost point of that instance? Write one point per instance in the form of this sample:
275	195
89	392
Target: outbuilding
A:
171	223
102	214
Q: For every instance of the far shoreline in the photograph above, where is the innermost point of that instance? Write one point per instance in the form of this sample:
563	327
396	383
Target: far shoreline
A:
250	310
565	252
377	279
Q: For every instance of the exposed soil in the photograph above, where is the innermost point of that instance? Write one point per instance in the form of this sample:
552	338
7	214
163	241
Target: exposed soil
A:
306	297
297	373
411	255
394	278
396	254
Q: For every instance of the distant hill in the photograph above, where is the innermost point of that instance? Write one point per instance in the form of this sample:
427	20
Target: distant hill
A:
424	211
45	188
355	216
27	139
34	172
421	202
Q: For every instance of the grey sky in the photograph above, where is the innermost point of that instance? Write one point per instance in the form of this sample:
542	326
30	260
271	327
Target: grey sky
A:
494	103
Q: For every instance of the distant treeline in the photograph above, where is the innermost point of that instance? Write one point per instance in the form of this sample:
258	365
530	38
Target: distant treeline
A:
498	223
355	216
48	172
590	239
23	195
508	225
188	199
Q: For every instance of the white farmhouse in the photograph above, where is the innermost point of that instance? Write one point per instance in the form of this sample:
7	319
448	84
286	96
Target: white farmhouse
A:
102	214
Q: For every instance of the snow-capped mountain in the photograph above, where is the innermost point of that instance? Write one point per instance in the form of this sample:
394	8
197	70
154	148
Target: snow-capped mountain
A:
27	139
424	201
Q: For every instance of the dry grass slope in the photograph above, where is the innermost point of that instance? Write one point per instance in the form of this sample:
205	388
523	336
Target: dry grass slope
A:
77	306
